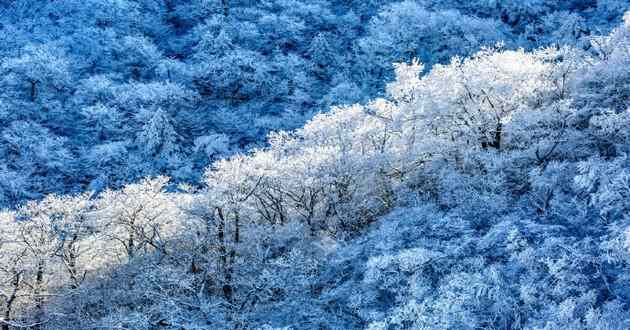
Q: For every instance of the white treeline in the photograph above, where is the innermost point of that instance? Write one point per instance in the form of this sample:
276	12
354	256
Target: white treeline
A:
490	192
97	94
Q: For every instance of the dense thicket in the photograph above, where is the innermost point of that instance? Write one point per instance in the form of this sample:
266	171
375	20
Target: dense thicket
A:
98	93
490	191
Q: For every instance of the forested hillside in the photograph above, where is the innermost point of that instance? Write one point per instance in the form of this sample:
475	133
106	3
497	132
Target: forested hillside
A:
98	93
226	164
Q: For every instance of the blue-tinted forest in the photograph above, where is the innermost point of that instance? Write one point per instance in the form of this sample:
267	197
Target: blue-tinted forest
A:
293	164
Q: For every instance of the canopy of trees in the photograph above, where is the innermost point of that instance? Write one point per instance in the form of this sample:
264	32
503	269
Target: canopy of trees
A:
99	93
485	191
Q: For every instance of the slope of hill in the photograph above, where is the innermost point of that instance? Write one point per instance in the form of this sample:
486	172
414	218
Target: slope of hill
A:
95	94
487	192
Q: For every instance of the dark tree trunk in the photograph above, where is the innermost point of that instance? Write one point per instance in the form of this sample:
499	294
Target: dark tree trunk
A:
226	7
131	245
72	264
497	136
39	299
223	256
11	300
496	142
33	90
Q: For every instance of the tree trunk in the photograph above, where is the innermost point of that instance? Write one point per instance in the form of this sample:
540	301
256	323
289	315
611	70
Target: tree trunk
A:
227	270
497	136
72	263
10	301
226	7
130	245
33	90
237	230
39	284
228	288
496	142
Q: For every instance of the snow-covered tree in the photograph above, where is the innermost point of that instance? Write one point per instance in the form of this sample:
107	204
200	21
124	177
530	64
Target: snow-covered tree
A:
159	140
